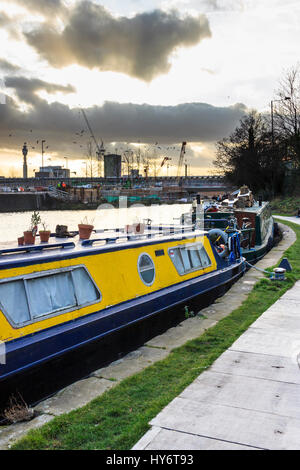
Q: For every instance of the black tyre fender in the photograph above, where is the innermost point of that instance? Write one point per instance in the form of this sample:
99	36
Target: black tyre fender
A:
214	234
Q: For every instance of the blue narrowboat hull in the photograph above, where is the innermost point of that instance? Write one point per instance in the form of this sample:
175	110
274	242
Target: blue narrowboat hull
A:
36	349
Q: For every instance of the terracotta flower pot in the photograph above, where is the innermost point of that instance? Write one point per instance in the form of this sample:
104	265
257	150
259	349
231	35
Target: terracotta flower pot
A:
129	228
44	235
29	238
85	231
21	241
139	228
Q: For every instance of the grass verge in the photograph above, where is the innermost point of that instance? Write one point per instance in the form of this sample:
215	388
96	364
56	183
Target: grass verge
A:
287	206
119	418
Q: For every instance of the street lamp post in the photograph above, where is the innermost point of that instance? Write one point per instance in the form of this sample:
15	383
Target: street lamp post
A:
43	141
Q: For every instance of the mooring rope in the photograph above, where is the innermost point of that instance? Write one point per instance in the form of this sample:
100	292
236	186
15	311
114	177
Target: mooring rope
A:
258	269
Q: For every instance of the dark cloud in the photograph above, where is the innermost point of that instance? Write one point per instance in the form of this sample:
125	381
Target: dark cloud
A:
7	67
190	121
26	88
140	46
225	5
113	122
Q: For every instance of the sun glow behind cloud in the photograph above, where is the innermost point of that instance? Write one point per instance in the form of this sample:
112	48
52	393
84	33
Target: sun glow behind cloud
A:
251	43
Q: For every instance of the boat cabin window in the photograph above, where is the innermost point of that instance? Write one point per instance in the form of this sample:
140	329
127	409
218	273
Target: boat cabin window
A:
34	296
146	269
187	258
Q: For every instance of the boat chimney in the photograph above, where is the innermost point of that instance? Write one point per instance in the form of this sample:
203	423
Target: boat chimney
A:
260	201
198	199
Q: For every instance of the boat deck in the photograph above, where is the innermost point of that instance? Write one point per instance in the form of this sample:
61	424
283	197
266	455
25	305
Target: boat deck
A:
100	240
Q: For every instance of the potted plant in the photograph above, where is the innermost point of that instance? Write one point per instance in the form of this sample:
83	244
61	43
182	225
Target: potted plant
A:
44	234
139	228
21	241
85	229
29	235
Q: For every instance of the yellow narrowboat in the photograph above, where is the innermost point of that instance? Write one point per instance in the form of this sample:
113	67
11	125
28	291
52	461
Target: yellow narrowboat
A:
57	297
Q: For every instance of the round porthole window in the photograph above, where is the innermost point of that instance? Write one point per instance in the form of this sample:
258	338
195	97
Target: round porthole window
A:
146	269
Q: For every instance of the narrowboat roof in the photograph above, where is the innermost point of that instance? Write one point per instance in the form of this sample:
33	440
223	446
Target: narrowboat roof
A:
255	208
100	241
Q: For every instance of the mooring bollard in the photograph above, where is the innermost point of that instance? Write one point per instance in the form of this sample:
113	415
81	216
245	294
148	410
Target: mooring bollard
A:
278	274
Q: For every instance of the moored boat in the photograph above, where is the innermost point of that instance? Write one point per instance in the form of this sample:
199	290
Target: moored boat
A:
252	219
58	297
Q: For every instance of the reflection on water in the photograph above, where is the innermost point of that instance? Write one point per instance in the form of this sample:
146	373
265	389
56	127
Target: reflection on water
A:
13	224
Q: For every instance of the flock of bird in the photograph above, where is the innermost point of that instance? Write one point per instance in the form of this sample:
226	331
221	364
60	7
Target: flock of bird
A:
83	133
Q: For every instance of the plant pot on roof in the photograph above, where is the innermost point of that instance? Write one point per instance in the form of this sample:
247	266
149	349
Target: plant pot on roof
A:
29	235
85	229
44	234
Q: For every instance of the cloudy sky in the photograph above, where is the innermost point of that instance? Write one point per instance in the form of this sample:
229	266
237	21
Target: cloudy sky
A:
149	73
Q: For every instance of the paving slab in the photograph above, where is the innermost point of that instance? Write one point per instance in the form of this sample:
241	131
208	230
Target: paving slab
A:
235	425
74	396
166	439
10	434
274	343
277	368
287	323
251	393
286	304
291	295
131	363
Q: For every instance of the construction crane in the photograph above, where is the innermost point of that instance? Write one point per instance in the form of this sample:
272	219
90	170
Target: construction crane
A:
164	161
181	157
99	148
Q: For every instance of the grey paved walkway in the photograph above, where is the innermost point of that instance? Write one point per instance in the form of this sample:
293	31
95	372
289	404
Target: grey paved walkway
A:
248	399
295	220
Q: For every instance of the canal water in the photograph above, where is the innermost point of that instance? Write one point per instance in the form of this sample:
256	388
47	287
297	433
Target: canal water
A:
13	224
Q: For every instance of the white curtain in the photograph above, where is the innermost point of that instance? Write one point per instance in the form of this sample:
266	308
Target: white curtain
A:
86	292
50	293
13	301
205	261
185	259
194	257
176	258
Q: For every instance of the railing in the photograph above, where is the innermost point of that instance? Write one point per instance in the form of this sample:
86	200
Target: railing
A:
32	248
58	194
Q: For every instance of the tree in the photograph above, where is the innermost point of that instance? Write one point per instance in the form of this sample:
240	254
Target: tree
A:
248	155
92	167
286	108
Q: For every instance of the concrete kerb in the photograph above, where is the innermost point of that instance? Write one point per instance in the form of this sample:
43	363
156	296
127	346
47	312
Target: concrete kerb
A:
82	392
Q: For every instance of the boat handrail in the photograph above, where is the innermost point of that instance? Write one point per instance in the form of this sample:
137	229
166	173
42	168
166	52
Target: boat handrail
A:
133	236
91	241
32	248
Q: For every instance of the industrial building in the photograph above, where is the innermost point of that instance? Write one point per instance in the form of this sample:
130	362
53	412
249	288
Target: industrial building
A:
53	172
112	166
